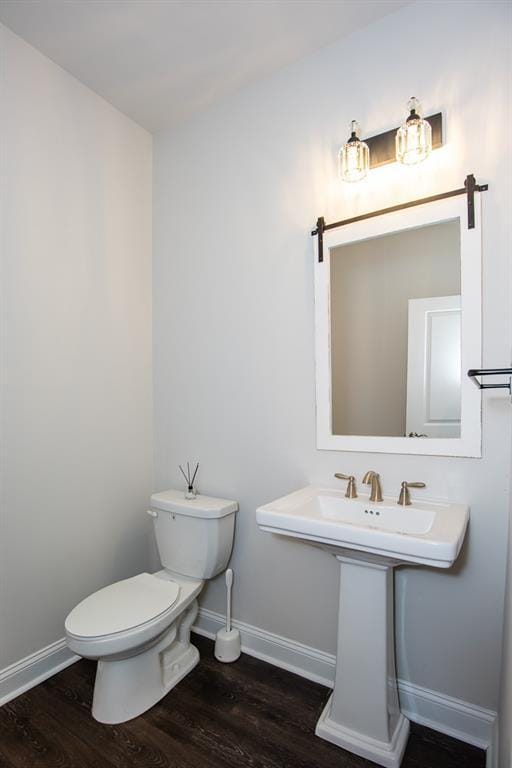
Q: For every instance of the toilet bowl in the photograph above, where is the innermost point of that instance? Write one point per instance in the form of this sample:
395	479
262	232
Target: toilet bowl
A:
138	629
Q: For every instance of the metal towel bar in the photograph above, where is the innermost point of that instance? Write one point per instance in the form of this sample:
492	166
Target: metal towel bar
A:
474	372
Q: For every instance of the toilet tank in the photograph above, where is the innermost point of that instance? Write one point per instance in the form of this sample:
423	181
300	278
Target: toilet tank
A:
194	536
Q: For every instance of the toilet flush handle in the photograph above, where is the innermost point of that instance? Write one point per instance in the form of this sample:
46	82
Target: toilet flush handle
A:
152	513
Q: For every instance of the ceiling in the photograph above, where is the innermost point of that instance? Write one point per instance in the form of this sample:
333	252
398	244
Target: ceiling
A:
161	61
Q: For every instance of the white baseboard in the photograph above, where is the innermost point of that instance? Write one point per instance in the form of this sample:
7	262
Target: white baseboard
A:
279	651
33	669
457	718
467	722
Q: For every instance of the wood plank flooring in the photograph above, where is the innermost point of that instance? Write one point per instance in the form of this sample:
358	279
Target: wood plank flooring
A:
243	715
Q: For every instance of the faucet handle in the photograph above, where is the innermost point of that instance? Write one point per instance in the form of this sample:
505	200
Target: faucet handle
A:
351	492
405	497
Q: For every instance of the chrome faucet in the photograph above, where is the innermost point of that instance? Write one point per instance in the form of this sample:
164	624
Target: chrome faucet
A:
373	479
351	492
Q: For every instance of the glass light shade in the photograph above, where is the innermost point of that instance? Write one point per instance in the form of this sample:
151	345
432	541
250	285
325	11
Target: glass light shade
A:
354	157
414	137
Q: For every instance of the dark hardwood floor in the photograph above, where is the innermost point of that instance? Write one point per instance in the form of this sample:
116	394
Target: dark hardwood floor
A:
243	715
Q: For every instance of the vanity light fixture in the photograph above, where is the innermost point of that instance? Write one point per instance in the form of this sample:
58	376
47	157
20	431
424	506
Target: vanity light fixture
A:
414	137
354	157
411	143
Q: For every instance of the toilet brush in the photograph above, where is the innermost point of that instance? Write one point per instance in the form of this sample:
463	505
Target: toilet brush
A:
227	641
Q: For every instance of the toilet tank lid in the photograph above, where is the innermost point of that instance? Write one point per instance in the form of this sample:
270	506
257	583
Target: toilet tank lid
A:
200	506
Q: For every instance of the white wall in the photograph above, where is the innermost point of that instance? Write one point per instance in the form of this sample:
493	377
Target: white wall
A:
76	347
505	710
236	193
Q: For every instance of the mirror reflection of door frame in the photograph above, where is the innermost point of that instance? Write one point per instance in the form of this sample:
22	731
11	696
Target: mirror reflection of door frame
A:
433	390
469	442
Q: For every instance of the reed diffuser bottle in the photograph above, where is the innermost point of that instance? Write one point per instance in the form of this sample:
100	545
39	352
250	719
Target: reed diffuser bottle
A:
191	491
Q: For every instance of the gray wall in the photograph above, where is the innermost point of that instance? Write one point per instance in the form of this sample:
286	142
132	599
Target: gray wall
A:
76	453
371	284
236	193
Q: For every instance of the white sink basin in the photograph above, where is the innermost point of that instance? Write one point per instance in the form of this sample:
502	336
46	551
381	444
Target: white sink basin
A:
428	533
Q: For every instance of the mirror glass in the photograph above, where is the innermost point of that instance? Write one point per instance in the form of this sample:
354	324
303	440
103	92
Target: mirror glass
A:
395	327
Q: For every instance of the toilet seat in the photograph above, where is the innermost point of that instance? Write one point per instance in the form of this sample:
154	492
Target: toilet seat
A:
121	607
123	643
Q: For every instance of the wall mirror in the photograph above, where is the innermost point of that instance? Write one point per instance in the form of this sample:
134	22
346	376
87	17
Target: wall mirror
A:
398	324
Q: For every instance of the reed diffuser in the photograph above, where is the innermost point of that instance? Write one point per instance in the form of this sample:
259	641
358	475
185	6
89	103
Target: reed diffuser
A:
191	492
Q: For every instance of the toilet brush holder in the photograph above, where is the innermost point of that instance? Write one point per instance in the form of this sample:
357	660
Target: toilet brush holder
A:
227	640
227	645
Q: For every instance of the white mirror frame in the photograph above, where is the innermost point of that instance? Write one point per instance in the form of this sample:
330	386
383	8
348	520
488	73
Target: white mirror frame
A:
469	442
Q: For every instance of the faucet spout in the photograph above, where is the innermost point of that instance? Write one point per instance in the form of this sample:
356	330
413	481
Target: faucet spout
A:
372	479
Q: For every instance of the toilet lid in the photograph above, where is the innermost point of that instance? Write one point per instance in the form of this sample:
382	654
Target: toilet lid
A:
122	606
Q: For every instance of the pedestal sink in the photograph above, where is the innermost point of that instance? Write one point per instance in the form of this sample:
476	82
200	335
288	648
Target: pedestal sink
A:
369	540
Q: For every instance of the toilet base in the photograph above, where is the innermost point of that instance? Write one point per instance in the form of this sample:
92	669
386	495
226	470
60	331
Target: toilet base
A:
126	688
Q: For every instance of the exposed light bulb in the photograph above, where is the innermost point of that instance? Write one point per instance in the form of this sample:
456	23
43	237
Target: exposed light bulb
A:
354	157
414	137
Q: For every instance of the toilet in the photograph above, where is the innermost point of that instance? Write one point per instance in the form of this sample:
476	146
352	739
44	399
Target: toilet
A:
138	629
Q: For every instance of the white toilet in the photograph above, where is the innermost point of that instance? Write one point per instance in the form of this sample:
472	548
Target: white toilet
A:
139	629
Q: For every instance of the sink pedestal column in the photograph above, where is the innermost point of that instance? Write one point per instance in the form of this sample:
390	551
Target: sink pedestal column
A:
363	713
